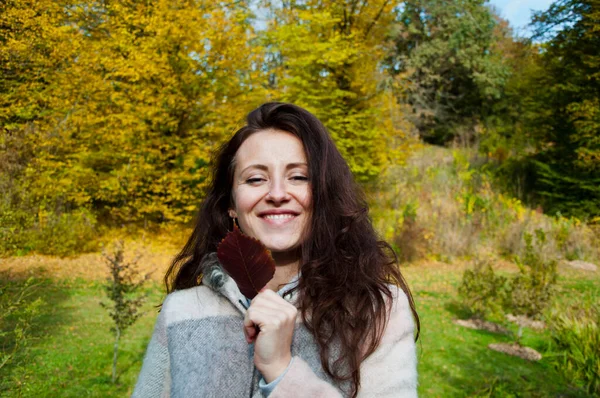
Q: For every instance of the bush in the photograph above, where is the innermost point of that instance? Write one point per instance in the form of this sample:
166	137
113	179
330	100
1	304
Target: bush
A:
531	290
528	292
18	312
66	234
47	232
574	239
576	339
13	222
483	292
410	240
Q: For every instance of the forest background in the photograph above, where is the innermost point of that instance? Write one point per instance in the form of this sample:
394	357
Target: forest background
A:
465	136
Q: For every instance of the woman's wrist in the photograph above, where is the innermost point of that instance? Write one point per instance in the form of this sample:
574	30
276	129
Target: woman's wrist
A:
272	372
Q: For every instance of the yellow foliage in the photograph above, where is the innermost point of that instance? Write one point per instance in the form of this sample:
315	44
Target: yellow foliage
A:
135	97
329	60
118	106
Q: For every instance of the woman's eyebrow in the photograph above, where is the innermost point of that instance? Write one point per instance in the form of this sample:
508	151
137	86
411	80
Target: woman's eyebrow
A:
265	168
255	166
294	165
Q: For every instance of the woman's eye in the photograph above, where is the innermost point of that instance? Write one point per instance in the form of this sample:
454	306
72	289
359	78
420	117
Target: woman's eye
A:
300	178
254	180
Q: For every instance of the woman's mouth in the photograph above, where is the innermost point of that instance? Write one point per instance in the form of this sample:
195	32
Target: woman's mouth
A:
278	218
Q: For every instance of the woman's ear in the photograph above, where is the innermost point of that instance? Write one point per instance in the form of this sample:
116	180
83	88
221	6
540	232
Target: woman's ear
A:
232	213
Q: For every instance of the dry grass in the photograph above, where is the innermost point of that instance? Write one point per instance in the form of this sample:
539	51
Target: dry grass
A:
153	259
454	213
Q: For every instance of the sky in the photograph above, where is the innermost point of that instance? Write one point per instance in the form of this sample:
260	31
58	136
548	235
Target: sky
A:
518	13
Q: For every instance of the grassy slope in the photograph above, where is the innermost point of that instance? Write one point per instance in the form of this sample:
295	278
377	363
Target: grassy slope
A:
71	355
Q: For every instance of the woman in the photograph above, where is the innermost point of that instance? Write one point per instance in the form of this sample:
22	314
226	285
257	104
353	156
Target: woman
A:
341	323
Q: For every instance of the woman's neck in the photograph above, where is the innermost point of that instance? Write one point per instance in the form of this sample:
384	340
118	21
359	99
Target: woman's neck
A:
286	268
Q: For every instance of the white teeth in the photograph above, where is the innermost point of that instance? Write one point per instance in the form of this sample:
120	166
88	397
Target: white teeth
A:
278	216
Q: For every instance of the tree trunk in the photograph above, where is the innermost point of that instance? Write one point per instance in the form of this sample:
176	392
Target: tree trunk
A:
115	353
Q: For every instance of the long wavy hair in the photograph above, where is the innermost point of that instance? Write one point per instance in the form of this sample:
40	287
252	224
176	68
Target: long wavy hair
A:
343	286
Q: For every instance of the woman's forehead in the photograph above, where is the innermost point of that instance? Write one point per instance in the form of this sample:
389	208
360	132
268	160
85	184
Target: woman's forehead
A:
270	148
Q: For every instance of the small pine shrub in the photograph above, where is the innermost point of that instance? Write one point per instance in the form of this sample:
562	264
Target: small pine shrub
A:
482	291
575	338
122	287
531	290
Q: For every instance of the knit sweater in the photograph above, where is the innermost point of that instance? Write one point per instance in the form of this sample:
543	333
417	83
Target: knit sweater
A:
198	349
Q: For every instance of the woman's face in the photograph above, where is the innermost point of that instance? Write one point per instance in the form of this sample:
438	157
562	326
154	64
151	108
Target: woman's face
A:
271	192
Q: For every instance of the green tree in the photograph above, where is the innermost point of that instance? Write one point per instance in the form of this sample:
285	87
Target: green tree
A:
446	51
509	121
508	137
567	162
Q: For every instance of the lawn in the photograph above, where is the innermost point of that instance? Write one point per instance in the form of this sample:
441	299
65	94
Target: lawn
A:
71	352
455	361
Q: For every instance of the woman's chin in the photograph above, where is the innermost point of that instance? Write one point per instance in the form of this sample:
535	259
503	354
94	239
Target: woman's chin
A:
283	250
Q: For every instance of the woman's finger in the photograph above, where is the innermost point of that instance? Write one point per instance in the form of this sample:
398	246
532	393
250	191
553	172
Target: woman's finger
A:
254	319
272	300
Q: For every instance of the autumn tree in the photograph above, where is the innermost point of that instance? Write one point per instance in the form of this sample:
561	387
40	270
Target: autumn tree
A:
133	111
37	44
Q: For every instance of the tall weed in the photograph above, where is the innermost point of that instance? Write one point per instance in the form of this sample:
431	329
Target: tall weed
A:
410	241
575	334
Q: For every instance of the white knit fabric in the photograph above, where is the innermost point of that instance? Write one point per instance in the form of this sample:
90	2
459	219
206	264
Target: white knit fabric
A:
198	350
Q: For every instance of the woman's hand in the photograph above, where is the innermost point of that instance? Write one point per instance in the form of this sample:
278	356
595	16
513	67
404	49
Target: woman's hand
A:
276	319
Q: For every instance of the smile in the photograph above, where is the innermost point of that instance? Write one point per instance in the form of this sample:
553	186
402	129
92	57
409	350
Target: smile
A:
279	216
279	219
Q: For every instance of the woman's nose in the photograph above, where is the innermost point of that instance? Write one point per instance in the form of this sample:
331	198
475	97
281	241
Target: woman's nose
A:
278	191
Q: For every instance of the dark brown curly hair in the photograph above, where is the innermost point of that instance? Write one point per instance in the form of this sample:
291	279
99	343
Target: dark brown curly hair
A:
343	286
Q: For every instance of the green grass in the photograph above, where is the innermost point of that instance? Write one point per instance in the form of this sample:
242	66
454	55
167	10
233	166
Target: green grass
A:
71	353
455	361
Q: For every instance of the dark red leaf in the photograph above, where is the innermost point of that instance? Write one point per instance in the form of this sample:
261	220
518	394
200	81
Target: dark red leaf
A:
247	261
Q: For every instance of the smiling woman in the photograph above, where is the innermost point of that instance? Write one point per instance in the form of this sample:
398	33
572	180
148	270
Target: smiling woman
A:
271	193
336	320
